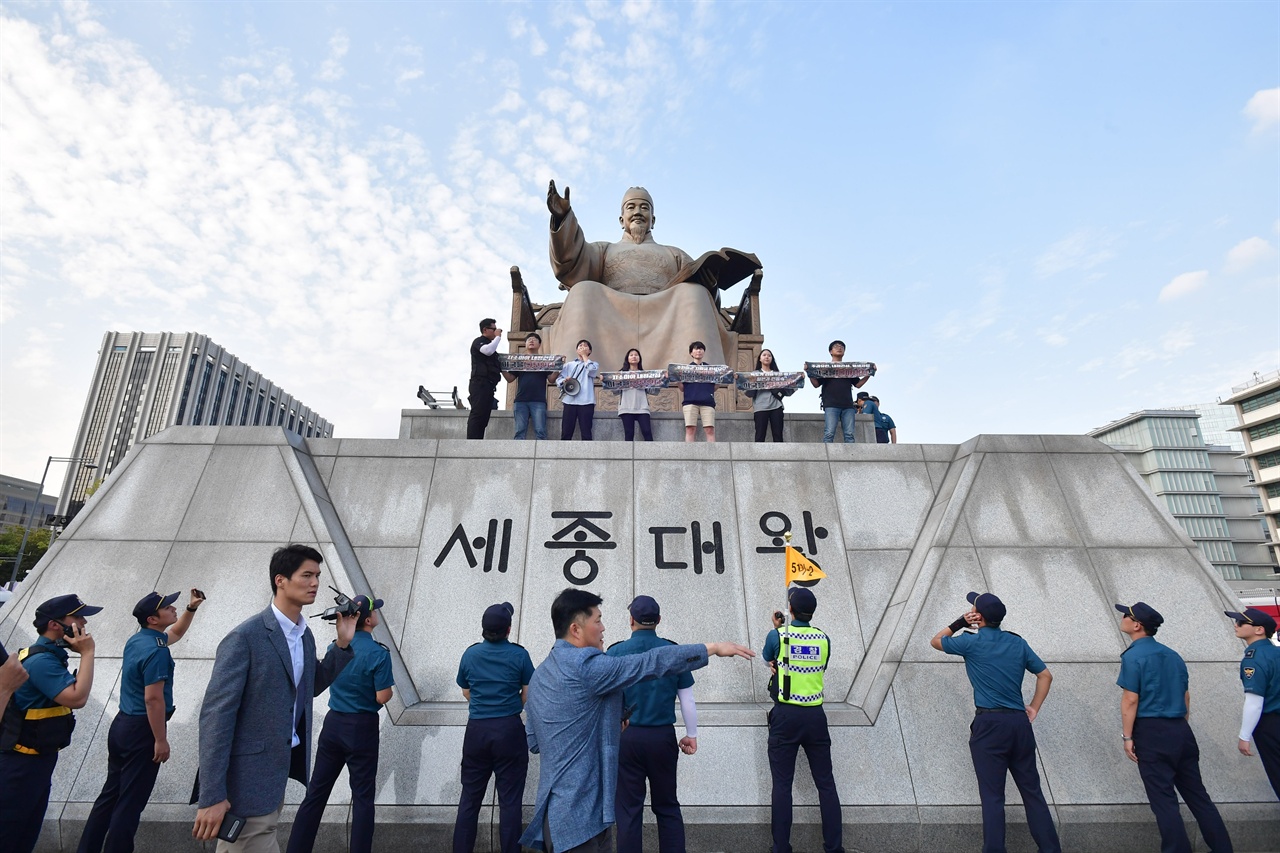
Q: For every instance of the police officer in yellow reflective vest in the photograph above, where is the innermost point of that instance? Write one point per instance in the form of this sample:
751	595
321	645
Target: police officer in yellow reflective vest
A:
38	720
798	655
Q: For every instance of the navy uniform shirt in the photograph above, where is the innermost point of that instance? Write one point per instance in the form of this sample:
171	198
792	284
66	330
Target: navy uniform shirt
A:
1158	675
146	660
995	662
354	690
698	393
494	672
48	676
1260	673
655	700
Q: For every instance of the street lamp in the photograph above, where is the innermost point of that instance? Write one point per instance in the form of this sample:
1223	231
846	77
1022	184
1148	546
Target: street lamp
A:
26	530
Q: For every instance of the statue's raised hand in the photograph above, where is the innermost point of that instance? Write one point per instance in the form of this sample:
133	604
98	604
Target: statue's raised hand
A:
557	204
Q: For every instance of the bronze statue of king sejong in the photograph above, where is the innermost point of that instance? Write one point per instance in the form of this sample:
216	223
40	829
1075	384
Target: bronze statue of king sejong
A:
639	293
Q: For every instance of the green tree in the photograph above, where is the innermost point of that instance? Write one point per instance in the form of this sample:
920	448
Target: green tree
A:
10	539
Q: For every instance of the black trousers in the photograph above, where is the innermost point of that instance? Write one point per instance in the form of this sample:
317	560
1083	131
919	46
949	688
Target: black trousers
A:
494	747
481	397
648	754
25	782
1003	745
349	740
629	427
1266	737
1169	759
576	416
131	774
791	727
771	420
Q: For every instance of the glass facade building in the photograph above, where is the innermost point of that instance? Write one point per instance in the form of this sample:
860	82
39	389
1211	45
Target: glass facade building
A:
1204	485
145	382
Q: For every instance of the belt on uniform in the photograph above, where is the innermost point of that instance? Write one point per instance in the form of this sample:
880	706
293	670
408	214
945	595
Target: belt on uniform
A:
980	711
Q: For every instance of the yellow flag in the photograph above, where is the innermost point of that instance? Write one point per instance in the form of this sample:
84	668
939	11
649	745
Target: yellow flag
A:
801	568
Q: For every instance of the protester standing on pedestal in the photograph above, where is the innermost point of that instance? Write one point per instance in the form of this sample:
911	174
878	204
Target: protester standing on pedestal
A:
1260	675
837	399
649	750
494	675
1154	707
578	407
1000	738
29	743
798	655
531	394
483	387
138	741
349	736
766	406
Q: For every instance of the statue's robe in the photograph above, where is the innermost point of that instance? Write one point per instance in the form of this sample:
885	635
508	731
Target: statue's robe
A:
624	295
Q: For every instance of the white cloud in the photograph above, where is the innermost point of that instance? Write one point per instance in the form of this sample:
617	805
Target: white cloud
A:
1264	109
1248	253
1133	356
331	69
1083	249
1181	285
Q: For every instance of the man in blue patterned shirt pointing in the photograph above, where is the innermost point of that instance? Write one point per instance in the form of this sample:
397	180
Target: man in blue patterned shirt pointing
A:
575	722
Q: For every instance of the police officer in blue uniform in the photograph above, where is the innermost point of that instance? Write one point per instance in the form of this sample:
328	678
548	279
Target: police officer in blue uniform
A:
1001	741
494	676
38	720
798	655
138	741
1154	706
648	749
349	737
1260	675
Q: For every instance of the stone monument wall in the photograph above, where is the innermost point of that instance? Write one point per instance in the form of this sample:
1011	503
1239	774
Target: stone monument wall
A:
1059	526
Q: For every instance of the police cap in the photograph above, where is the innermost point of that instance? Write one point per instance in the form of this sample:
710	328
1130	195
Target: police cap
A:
497	617
1254	616
645	610
988	604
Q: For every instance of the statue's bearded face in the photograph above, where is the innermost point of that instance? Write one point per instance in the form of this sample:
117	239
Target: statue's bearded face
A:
637	217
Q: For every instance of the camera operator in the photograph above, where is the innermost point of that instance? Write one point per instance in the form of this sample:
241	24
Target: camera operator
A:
349	736
38	720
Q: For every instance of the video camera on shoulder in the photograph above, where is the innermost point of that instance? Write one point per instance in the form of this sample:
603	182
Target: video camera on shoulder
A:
343	606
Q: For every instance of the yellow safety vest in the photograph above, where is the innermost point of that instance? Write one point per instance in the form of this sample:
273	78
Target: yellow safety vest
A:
802	663
36	730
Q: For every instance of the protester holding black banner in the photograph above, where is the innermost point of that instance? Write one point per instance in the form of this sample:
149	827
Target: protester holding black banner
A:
766	406
837	398
698	400
633	405
531	394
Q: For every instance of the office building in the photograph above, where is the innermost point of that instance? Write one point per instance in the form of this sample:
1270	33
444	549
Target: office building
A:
18	503
1257	406
1217	424
145	382
1206	487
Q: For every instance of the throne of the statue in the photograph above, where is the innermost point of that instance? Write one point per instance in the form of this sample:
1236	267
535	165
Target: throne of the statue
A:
741	325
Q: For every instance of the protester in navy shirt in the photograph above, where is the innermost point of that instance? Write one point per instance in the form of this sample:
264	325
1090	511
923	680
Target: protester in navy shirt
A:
698	400
531	394
494	676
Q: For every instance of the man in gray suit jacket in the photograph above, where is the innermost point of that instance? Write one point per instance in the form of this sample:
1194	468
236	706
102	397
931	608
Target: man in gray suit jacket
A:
255	725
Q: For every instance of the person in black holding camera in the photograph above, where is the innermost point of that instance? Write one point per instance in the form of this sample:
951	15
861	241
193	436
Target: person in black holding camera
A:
138	741
483	388
38	721
349	737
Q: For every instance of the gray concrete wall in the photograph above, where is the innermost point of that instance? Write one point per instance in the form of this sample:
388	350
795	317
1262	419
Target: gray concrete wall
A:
1059	526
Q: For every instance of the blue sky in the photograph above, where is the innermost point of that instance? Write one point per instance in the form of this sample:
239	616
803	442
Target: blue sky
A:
1035	217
